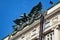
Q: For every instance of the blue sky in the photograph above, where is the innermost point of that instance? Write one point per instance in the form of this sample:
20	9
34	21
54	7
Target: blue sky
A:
12	9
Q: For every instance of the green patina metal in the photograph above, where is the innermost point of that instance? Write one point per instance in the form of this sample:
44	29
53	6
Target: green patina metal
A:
30	18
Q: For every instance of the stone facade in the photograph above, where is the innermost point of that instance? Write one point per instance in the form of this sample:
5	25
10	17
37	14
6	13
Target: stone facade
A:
51	28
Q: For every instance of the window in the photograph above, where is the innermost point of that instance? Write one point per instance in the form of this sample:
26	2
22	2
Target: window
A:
55	20
47	24
49	36
33	33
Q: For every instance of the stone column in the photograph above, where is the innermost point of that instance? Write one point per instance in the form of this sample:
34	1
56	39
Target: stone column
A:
56	34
